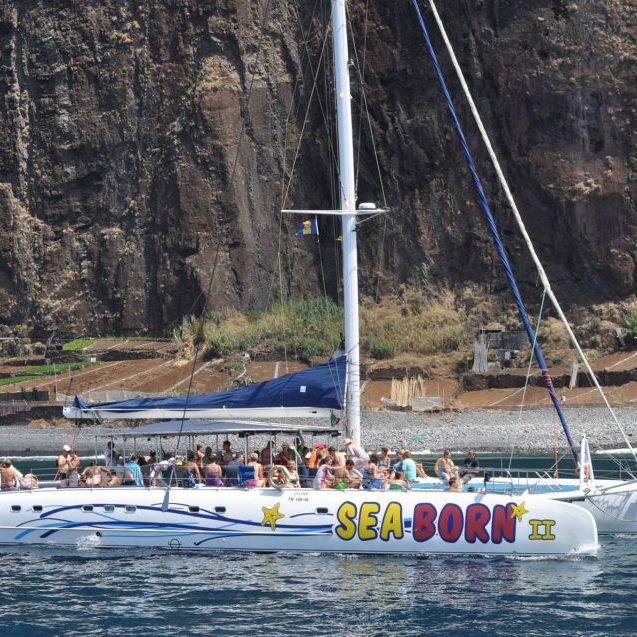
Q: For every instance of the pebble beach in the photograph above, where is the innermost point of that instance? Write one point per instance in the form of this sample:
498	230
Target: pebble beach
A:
532	430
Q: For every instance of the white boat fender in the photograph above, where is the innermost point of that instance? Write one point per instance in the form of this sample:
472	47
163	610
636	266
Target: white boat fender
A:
278	476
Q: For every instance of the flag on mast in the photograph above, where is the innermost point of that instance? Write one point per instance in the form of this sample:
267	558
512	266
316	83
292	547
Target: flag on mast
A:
308	227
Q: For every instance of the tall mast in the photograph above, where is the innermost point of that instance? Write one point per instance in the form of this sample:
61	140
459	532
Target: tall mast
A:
348	204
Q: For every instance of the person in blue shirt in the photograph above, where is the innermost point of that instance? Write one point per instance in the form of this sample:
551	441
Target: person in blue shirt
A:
409	467
132	466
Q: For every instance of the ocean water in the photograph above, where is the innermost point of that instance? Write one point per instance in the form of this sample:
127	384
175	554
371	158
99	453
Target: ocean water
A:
88	591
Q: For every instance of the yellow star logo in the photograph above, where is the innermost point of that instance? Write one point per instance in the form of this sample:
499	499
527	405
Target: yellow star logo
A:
271	516
518	510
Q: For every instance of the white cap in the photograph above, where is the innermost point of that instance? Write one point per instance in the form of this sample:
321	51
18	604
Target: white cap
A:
66	448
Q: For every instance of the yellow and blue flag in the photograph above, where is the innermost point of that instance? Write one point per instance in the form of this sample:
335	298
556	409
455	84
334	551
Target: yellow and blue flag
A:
307	228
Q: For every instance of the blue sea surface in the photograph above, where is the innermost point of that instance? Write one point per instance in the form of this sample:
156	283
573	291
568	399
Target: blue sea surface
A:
88	591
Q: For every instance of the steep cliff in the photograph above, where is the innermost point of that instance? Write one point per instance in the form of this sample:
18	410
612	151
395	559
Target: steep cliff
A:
144	148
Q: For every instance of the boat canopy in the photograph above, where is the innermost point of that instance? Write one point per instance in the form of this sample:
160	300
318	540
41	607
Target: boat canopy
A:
314	392
204	427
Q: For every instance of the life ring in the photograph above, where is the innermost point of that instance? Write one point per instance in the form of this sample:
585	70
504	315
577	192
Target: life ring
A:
274	479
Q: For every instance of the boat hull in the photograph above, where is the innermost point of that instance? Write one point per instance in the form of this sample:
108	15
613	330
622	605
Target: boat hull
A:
613	503
614	506
210	519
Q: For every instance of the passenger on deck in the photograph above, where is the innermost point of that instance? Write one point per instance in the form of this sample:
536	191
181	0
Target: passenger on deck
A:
323	478
9	477
470	466
284	456
120	470
110	454
455	485
192	475
266	454
64	465
200	454
304	470
294	480
384	461
356	453
74	460
396	473
258	470
354	476
92	475
226	454
213	473
444	467
232	471
132	473
156	477
341	476
207	458
337	459
316	455
410	472
371	474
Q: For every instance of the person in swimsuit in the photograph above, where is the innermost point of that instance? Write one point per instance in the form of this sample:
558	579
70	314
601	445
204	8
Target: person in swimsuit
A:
445	467
192	476
258	469
384	461
200	454
371	474
323	478
295	481
212	473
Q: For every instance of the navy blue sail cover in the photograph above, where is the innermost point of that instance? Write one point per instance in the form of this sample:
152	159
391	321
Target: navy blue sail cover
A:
321	387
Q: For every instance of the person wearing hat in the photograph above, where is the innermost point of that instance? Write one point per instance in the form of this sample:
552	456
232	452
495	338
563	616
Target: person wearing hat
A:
64	465
356	453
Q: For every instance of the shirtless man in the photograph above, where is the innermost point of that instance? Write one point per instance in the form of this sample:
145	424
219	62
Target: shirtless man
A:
226	455
337	459
64	464
92	475
200	454
9	476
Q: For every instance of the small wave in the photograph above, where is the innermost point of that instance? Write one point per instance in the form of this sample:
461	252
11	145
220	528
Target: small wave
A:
88	542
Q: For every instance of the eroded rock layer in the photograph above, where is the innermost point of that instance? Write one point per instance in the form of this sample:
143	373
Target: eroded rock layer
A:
146	147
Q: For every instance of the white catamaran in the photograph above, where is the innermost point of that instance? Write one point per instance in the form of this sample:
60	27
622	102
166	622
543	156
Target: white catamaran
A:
293	519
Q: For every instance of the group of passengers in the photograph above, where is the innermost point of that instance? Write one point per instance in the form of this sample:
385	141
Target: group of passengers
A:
11	478
293	465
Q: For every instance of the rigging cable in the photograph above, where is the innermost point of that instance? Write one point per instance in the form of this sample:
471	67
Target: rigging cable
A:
360	67
199	336
528	376
518	217
495	234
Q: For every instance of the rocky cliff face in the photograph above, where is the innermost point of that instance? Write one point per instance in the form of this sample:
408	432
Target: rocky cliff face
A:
145	147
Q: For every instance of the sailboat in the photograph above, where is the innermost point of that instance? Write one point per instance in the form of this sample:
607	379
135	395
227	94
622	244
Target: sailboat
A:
294	519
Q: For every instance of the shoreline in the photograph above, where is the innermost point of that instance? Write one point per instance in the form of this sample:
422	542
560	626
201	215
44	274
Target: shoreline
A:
530	431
